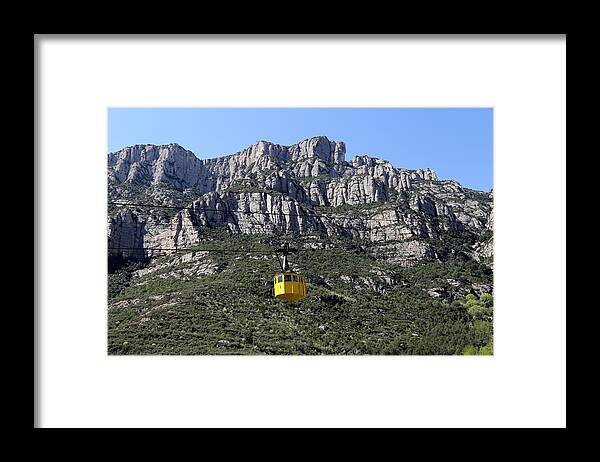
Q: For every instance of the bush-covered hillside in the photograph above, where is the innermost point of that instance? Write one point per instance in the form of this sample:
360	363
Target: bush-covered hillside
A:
195	302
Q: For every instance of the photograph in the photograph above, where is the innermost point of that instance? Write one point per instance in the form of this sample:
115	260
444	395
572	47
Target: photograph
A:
300	231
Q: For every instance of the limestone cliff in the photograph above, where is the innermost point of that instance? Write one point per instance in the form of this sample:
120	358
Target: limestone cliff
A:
306	188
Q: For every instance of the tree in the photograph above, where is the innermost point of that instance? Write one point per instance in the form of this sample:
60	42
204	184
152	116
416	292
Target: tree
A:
470	350
487	349
487	300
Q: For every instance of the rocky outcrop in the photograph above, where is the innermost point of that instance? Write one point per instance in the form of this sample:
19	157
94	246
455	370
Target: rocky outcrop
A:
406	253
313	171
188	264
265	213
148	164
126	235
306	188
484	249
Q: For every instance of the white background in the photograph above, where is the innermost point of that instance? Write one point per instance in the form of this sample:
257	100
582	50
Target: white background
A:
523	384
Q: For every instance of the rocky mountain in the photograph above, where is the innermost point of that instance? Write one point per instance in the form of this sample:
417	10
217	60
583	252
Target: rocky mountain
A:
308	188
396	261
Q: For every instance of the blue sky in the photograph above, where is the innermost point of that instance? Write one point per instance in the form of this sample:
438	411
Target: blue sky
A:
456	143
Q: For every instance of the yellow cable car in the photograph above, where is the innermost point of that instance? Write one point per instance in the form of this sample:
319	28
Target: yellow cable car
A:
287	285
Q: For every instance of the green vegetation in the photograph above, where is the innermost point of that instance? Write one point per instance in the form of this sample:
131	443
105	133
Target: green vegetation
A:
481	311
357	304
120	273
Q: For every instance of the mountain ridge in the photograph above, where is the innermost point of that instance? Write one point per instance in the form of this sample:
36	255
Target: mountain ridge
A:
282	182
307	148
257	142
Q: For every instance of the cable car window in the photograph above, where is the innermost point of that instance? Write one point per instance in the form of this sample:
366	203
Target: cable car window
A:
279	278
288	278
295	278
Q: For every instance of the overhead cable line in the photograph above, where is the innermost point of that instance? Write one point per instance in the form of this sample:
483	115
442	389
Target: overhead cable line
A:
187	249
191	250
